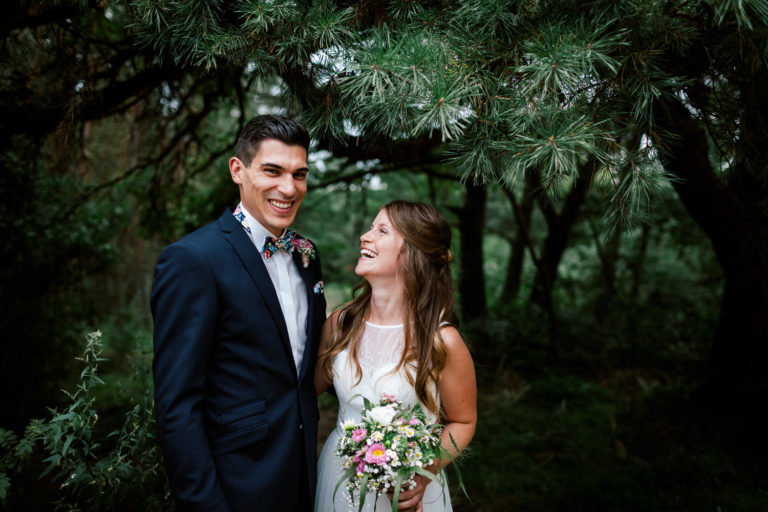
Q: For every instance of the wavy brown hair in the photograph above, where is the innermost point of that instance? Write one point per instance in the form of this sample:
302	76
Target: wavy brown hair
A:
429	301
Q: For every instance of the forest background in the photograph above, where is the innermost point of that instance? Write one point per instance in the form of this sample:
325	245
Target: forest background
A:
602	163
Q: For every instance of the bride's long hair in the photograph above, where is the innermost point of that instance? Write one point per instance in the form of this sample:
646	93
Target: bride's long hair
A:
429	301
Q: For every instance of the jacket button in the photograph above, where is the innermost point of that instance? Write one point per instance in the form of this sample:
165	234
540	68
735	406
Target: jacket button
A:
301	426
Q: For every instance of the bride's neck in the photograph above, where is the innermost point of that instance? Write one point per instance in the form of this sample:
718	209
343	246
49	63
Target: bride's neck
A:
387	305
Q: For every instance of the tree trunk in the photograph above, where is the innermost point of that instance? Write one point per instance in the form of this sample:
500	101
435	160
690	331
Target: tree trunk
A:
471	278
608	254
739	355
520	242
558	232
637	264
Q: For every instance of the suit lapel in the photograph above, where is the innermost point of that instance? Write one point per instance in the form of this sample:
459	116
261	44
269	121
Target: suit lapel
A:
307	276
251	259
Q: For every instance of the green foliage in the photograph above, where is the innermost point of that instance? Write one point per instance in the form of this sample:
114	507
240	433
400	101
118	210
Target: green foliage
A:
119	471
49	249
508	87
742	10
107	155
557	442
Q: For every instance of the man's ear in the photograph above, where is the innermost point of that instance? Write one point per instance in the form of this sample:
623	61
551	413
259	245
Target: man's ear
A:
236	169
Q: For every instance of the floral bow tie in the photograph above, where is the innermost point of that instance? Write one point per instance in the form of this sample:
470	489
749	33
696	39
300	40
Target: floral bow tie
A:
289	242
272	244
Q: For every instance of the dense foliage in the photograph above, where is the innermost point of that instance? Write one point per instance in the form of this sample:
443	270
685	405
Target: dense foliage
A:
83	468
555	96
537	127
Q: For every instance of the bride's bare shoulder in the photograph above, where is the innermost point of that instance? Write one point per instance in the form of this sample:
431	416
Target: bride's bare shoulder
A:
333	318
452	339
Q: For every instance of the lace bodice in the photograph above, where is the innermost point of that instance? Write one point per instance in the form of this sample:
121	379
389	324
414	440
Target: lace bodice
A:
379	352
380	345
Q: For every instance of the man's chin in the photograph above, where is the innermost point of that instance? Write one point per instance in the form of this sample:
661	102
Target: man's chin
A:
281	223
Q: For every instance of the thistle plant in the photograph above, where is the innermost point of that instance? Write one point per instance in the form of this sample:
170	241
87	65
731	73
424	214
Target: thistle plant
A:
65	450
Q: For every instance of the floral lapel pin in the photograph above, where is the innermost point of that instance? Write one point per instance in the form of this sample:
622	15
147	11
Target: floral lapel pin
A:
318	288
306	251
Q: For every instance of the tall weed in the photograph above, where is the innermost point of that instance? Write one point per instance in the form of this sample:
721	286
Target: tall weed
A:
64	460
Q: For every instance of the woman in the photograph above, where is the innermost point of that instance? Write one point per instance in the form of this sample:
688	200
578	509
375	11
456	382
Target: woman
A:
398	336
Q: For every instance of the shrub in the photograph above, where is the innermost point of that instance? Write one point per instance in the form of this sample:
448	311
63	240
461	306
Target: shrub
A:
64	460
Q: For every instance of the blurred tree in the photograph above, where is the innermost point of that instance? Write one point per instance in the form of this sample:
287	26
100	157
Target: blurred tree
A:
620	95
88	125
521	241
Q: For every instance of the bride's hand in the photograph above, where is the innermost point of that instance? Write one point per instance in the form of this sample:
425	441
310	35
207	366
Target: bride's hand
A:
410	500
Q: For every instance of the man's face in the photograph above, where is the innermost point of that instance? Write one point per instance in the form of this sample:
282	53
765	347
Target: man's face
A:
274	185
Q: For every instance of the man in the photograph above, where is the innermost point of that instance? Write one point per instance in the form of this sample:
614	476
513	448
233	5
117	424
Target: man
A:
238	314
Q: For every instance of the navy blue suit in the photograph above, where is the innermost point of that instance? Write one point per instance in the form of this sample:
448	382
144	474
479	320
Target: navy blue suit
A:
236	424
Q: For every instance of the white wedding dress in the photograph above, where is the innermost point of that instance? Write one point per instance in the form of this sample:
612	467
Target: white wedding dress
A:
379	352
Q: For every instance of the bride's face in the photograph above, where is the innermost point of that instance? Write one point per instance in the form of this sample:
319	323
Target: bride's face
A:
379	249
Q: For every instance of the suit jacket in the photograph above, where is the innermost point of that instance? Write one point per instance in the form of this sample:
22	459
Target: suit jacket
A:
236	424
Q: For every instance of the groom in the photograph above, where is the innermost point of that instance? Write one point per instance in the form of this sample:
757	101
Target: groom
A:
238	313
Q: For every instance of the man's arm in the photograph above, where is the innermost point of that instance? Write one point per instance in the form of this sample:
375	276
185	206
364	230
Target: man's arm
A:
184	308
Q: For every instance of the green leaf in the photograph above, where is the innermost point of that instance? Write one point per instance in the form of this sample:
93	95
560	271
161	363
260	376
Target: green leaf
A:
363	491
457	469
5	484
67	444
396	493
344	478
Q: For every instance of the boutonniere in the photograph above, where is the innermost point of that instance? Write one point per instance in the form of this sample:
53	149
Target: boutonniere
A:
318	288
306	250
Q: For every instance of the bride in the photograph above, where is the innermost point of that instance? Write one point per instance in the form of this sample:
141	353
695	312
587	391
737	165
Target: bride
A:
398	336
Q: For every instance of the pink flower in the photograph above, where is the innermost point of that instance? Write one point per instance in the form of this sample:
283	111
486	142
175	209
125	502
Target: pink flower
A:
359	434
360	466
414	420
376	454
389	398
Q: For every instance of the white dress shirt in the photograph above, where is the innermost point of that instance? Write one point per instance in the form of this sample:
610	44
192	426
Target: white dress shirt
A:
290	288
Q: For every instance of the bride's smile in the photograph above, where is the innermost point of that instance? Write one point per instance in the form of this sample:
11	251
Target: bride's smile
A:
379	249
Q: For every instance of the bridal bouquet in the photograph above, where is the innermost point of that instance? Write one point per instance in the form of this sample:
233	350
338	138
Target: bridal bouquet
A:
386	449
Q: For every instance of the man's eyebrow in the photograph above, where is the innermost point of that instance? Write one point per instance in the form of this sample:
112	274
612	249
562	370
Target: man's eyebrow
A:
278	166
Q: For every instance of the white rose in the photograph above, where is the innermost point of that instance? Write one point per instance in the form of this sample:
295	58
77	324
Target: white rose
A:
381	415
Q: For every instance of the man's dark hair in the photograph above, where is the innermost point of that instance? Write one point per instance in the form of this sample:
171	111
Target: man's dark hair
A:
259	128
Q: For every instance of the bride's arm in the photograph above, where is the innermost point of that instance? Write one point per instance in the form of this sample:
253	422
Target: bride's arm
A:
321	382
458	393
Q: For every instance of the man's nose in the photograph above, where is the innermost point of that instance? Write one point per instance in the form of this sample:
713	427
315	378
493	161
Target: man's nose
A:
287	185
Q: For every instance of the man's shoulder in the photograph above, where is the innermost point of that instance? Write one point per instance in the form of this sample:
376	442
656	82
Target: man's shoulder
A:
202	239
